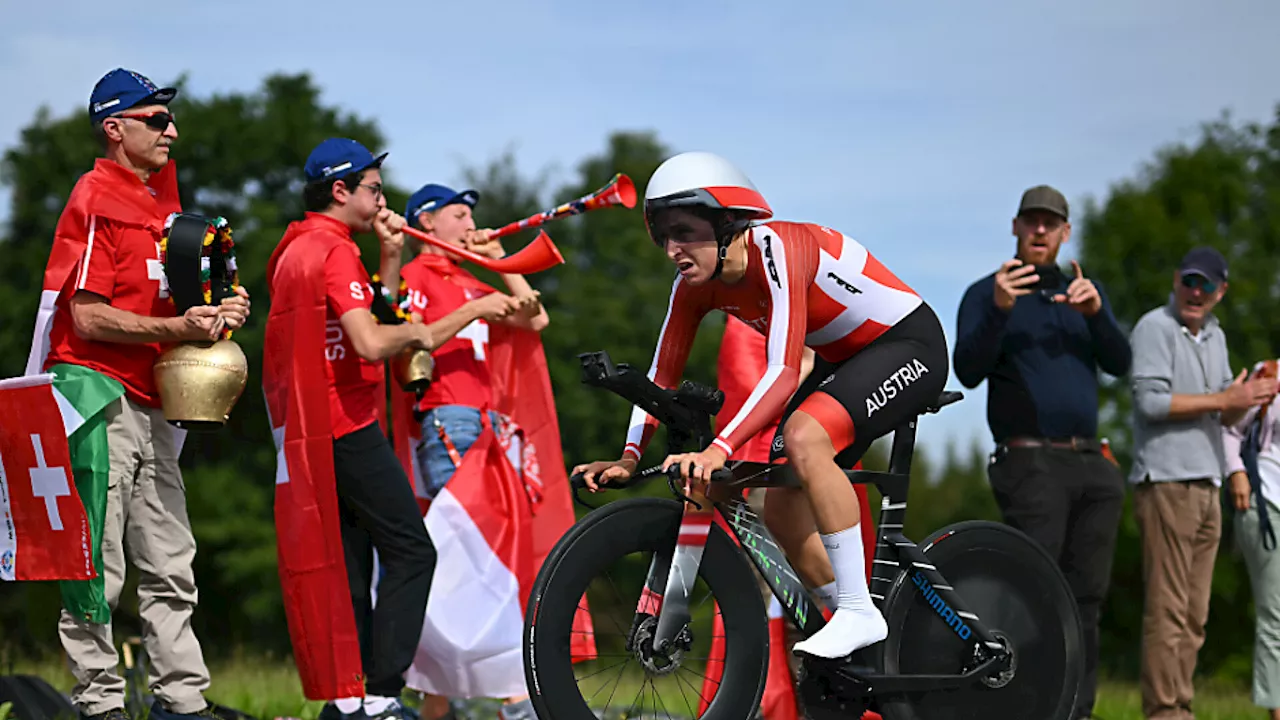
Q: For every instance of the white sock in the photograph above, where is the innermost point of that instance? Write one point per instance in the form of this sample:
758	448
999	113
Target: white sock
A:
348	705
827	594
374	704
856	622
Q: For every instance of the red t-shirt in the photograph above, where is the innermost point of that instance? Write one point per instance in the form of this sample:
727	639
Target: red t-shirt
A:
437	287
353	381
122	264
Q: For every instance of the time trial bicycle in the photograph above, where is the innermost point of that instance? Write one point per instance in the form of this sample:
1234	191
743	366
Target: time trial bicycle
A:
982	623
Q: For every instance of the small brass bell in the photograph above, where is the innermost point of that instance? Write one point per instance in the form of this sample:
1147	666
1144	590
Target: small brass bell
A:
200	382
413	368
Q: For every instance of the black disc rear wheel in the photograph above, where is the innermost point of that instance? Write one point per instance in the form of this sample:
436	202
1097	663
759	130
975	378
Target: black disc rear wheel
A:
1018	593
605	558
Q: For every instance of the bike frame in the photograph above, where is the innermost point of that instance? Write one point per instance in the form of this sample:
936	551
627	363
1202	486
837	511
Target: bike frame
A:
895	554
687	413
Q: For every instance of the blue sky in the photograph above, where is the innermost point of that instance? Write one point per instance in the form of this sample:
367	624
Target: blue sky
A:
912	127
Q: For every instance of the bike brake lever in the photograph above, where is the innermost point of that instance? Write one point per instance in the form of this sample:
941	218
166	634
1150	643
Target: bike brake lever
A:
673	475
576	483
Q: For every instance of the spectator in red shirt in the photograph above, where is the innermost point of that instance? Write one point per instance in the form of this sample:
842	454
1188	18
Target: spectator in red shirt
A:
111	321
376	504
459	317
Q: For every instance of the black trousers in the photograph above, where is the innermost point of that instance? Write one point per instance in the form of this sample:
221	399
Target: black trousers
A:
378	510
1070	503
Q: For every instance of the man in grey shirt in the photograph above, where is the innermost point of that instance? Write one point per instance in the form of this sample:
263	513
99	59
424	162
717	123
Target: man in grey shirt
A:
1183	395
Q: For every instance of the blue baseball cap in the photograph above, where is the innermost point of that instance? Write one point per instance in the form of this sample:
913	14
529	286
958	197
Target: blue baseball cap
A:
336	157
430	198
122	89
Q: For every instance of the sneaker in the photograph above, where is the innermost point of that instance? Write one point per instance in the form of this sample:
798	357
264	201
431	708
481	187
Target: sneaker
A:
160	712
395	711
330	711
112	714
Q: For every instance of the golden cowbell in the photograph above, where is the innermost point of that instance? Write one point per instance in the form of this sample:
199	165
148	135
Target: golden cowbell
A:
412	368
200	382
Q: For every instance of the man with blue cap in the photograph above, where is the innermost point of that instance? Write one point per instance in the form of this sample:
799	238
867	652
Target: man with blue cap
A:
459	310
105	317
340	490
1184	396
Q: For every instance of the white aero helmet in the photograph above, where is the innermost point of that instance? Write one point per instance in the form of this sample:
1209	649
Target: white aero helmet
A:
703	179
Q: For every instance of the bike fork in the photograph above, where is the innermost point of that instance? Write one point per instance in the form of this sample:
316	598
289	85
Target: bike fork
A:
650	603
676	579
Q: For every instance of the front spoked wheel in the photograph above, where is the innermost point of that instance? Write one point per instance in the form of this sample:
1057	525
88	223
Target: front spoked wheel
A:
1018	593
605	558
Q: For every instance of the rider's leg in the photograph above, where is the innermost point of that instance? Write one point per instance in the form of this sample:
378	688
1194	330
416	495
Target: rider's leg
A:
786	510
790	521
887	383
811	447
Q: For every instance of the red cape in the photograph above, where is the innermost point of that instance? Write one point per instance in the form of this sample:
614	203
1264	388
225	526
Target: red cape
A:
110	191
521	385
106	191
313	572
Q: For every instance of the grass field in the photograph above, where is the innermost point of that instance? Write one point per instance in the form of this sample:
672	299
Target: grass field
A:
270	690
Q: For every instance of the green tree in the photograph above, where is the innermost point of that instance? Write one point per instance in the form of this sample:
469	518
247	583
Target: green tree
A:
1222	191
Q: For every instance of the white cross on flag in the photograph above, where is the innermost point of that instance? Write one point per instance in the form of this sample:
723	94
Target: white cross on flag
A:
44	530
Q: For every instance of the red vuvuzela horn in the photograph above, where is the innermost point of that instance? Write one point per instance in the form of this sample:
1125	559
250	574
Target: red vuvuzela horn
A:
618	191
537	256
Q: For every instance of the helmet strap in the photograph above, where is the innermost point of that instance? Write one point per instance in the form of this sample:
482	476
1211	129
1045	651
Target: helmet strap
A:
726	233
724	249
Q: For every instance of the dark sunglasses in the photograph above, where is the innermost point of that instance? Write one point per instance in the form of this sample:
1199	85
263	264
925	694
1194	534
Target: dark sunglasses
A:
1200	282
159	120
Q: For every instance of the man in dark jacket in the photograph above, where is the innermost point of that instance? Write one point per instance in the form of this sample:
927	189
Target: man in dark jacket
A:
1039	336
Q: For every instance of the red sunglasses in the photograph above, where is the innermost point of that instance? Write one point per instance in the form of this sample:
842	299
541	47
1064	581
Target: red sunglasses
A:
158	120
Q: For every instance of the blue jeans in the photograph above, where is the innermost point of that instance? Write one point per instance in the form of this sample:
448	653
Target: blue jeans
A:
462	425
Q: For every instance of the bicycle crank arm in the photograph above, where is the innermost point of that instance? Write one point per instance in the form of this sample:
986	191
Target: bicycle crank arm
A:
851	682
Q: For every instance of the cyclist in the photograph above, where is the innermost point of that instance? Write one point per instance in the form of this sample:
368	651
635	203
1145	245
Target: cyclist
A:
881	359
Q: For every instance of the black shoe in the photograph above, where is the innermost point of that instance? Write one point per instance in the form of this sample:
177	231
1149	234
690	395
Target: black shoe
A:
330	711
112	714
160	712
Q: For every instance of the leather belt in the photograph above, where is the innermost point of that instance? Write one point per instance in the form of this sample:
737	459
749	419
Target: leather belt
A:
1075	444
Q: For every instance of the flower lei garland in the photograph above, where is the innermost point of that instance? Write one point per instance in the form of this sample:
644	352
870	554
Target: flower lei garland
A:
217	230
399	304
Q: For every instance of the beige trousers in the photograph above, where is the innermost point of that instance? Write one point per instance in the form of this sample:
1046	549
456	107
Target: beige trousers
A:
1181	524
147	521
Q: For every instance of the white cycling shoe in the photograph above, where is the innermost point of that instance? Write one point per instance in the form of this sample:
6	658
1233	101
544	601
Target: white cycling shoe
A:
845	633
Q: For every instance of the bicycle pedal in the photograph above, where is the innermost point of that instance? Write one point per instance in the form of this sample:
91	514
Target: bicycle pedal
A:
830	696
855	659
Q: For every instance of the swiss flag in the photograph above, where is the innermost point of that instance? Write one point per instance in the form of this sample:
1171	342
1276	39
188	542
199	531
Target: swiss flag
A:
44	531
